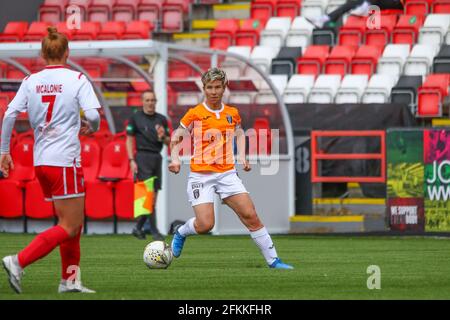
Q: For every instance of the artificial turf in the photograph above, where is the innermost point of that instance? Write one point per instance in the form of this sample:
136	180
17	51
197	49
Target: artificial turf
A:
231	267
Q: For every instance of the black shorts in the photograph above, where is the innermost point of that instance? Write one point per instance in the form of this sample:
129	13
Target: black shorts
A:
149	165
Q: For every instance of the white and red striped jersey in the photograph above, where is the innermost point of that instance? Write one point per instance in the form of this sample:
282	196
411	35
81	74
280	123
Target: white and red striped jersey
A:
53	98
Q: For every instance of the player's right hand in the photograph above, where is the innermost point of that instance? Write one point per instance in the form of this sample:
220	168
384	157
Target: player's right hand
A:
174	167
6	164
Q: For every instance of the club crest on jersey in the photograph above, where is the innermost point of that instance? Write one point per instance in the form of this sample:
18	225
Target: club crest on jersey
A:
229	119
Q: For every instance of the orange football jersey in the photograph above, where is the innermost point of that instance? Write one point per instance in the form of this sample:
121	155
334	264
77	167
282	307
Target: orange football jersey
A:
212	132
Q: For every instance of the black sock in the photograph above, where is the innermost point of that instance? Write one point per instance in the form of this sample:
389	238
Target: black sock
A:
141	221
152	220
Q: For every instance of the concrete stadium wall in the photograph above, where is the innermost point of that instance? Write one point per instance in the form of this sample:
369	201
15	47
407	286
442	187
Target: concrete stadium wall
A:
18	10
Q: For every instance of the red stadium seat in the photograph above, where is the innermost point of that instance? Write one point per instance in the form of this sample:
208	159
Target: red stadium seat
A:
11	189
103	136
94	208
95	67
381	35
25	137
2	69
248	33
179	70
14	31
95	189
22	154
338	62
90	159
115	162
263	137
134	99
62	28
12	73
124	199
223	34
418	7
441	6
37	65
431	95
313	60
87	31
172	15
407	29
352	32
263	9
138	30
36	32
125	10
5	99
52	11
288	8
120	135
111	30
365	60
149	10
140	86
35	205
11	198
100	10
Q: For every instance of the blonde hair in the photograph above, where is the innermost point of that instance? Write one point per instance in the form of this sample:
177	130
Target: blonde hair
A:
214	74
54	45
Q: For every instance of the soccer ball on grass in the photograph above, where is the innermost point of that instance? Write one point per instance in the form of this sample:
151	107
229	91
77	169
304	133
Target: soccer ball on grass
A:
158	255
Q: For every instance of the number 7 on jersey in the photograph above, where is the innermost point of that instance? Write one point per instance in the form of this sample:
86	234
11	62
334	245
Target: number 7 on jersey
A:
50	99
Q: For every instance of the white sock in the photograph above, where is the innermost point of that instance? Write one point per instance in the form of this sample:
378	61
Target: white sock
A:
265	244
188	228
15	259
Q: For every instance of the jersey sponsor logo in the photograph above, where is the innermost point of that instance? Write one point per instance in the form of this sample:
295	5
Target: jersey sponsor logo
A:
197	185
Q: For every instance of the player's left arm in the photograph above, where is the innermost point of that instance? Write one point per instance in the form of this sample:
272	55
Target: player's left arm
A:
88	101
6	162
17	105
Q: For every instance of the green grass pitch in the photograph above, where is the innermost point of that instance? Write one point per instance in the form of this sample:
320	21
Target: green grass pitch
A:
231	267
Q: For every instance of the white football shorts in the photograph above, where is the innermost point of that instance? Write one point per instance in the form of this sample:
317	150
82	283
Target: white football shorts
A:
202	186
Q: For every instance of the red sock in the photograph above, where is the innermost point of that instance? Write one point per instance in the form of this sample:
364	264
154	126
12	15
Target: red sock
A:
70	255
42	245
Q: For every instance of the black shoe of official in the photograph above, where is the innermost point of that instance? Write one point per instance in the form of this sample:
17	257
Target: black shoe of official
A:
157	236
139	234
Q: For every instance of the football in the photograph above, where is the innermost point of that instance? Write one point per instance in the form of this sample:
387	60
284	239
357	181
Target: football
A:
158	255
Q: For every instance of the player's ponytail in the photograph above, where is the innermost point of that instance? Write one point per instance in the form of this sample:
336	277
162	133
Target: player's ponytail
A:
54	45
52	33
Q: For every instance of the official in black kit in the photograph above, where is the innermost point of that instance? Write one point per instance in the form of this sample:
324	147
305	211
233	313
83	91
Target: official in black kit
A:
150	131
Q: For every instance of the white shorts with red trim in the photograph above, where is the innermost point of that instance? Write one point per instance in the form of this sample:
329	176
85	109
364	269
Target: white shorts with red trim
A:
61	182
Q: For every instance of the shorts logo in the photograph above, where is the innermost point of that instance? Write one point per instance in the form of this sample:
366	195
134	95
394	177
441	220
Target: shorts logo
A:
196	193
197	185
230	119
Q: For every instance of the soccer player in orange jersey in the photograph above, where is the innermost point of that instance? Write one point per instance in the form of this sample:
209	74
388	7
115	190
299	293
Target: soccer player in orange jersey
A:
212	126
53	99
